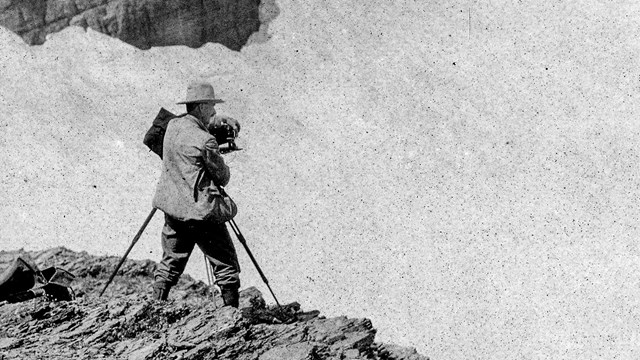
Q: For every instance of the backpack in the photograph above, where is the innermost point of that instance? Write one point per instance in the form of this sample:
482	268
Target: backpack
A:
154	137
23	281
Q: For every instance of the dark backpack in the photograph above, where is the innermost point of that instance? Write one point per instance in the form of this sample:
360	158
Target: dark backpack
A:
154	137
23	281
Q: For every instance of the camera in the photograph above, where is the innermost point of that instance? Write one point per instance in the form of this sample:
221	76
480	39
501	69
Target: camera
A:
225	134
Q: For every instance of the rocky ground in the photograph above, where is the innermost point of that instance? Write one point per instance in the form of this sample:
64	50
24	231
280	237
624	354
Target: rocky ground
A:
126	324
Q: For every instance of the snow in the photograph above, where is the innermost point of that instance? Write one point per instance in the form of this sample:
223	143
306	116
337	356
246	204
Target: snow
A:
464	174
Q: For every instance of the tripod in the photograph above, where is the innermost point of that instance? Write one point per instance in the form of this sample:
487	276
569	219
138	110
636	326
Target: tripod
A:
236	231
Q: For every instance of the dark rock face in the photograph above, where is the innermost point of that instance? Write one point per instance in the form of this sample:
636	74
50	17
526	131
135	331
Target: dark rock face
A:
126	324
141	23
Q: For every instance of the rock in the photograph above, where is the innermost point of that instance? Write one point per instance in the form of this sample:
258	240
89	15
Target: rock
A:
402	353
360	340
142	23
301	351
9	343
251	298
147	352
199	351
351	354
123	326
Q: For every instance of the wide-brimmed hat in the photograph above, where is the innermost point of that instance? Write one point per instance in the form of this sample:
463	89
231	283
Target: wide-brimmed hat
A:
200	92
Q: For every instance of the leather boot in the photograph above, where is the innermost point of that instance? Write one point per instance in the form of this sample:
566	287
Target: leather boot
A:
161	291
230	296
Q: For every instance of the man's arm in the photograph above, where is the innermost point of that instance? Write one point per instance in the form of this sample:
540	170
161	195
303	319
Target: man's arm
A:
214	163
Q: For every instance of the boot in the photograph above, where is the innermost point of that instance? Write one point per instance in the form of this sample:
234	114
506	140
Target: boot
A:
230	296
161	291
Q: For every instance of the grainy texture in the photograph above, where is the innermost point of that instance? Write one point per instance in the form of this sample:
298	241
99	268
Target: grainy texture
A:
142	23
465	174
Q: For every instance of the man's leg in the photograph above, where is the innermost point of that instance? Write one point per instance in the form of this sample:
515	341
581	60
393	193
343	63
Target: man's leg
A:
177	246
217	246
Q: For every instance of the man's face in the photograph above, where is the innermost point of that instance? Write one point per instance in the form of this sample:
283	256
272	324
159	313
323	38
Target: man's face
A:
208	110
215	121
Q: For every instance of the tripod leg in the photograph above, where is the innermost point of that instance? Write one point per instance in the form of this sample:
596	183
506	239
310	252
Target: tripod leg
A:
135	240
210	278
242	240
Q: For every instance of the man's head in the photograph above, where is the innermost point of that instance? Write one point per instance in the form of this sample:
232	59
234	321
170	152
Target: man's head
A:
204	111
201	101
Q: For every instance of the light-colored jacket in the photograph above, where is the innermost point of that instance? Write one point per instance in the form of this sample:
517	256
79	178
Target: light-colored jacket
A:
188	149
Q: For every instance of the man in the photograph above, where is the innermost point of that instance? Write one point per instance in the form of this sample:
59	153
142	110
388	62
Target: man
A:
189	148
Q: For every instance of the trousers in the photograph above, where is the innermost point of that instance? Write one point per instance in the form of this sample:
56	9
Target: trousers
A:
178	241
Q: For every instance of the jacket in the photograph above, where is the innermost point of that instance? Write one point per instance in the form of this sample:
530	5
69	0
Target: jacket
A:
190	153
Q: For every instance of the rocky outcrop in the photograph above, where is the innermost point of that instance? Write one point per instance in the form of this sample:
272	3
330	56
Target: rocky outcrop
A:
141	23
126	324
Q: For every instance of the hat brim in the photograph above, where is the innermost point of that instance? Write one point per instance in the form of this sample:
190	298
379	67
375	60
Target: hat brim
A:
215	101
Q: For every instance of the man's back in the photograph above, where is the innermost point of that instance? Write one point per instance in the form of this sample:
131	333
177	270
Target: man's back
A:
188	148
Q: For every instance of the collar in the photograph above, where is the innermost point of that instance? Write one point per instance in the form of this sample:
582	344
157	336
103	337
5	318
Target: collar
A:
198	122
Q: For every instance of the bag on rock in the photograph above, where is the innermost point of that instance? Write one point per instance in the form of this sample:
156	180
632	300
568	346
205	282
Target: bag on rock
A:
23	281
